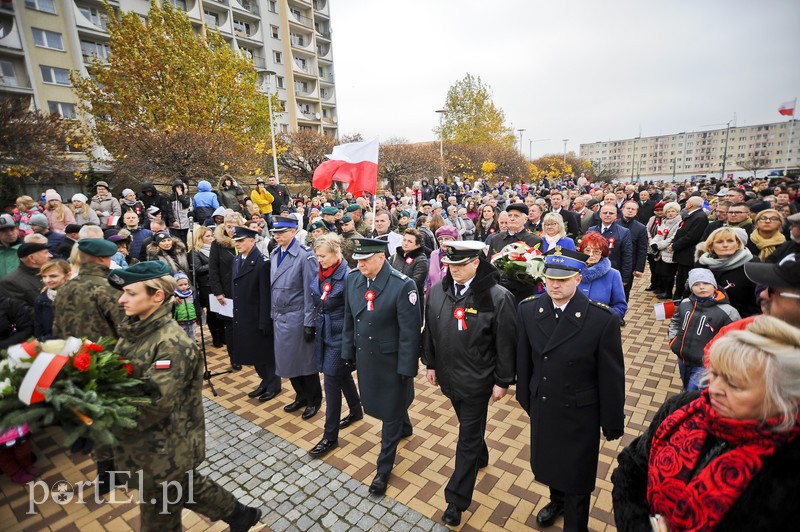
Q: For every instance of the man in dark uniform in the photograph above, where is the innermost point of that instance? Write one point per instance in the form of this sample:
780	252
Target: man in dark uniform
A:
382	334
571	382
517	216
638	241
470	351
252	339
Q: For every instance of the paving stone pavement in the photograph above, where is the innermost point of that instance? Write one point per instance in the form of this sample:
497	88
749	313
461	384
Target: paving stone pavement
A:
259	451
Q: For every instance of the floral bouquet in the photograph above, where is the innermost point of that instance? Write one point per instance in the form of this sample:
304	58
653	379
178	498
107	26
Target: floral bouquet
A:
521	267
80	385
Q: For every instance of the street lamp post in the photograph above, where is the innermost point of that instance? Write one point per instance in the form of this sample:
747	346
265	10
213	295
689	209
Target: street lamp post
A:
725	152
633	157
441	139
673	169
520	140
530	147
269	74
565	149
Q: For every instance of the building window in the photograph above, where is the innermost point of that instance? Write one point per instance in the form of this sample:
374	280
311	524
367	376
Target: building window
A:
8	76
275	31
57	76
284	128
94	16
179	4
242	27
66	110
47	39
278	58
281	82
272	5
211	18
94	50
48	6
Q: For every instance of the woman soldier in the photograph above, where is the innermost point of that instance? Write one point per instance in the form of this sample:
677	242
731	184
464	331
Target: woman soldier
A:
168	443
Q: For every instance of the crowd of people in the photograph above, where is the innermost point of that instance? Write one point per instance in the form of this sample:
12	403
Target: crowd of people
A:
300	286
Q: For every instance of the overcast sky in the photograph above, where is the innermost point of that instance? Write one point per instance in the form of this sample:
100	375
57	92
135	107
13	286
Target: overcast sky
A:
583	70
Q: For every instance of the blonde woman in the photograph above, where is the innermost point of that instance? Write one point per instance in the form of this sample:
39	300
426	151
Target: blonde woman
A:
83	214
725	254
58	215
767	235
554	233
25	207
54	274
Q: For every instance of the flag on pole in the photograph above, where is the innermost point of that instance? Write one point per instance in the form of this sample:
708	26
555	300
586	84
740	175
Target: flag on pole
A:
787	108
355	163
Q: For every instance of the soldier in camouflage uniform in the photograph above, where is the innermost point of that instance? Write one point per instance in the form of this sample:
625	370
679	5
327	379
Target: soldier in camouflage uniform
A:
354	210
348	234
86	307
168	444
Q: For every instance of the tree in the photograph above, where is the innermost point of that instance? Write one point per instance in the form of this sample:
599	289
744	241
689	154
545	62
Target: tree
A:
401	163
305	150
491	161
754	163
171	103
470	116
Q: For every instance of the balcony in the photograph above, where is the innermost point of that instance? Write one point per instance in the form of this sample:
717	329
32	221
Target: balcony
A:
324	51
326	94
320	5
302	42
9	35
326	76
323	31
297	17
303	67
305	90
247	6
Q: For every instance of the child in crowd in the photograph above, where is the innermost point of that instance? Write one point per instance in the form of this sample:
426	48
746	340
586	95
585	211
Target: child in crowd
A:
696	321
187	311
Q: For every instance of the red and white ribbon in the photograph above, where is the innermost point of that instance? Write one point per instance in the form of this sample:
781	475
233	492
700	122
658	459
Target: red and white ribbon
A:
370	297
611	242
40	376
326	289
409	260
460	315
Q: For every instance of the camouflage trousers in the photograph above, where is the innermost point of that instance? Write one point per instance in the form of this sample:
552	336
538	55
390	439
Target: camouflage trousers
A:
162	505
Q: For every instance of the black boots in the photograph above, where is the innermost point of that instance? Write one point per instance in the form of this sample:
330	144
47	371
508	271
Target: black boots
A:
243	517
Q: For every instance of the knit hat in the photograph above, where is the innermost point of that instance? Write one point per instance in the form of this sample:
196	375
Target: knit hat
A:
39	220
701	275
51	194
80	197
180	275
126	192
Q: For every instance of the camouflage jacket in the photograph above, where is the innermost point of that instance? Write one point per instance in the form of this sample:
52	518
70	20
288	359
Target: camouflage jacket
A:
87	306
170	437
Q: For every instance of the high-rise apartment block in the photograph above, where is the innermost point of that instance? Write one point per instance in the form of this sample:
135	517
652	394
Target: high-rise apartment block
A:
289	41
682	155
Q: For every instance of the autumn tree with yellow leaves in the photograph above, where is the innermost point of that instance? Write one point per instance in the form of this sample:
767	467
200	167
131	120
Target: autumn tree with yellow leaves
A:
171	103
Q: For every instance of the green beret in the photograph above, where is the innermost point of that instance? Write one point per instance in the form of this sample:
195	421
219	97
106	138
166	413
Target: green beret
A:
404	214
347	218
330	210
353	207
97	247
142	271
318	224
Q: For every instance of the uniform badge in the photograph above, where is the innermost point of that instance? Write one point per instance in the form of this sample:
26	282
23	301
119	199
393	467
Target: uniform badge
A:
459	315
326	288
370	297
412	297
471	311
577	314
163	364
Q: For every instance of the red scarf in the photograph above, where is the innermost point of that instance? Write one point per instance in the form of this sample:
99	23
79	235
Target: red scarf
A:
700	503
324	273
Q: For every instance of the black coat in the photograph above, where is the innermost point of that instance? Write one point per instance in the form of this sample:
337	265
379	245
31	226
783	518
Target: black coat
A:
620	245
252	326
571	382
220	264
43	317
469	362
414	265
199	266
768	503
638	243
687	236
646	210
498	241
16	322
571	219
384	342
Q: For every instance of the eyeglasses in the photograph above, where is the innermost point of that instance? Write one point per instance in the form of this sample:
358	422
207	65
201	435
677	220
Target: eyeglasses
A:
590	251
769	219
551	225
772	292
730	213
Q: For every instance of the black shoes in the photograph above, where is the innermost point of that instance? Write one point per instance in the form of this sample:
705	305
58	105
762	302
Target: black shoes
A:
650	288
407	433
664	296
310	412
350	419
243	517
266	396
622	322
294	406
548	515
261	390
323	448
236	367
452	516
379	484
104	476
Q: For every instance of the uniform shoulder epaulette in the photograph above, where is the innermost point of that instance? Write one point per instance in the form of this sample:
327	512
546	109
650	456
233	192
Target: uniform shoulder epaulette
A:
399	274
530	298
305	247
601	305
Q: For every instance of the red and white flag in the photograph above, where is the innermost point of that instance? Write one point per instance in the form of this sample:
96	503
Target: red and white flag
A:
355	163
665	310
787	108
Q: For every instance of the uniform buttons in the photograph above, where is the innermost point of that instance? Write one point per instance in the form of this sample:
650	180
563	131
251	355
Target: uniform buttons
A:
544	398
544	378
546	359
370	337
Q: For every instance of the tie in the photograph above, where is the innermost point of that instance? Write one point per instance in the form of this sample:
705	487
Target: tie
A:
605	230
460	290
557	312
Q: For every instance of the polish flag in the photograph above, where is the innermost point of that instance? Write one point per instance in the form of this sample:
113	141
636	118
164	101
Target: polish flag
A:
664	311
787	108
355	163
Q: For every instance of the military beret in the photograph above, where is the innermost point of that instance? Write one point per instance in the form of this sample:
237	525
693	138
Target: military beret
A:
404	213
347	218
330	210
29	248
353	207
97	247
142	271
317	224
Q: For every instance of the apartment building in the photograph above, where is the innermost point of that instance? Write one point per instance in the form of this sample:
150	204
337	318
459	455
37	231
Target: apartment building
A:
682	155
289	41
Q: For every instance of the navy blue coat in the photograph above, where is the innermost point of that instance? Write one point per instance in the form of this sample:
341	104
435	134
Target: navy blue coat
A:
639	241
621	246
252	336
330	321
